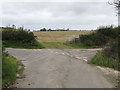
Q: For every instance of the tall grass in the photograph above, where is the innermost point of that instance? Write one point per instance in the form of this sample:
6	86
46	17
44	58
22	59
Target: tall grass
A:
9	69
101	60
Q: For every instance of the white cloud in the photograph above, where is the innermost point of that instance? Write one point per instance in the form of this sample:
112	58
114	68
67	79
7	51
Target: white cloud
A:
73	15
55	0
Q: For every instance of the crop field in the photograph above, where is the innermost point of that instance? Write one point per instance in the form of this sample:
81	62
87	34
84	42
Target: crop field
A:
56	39
58	36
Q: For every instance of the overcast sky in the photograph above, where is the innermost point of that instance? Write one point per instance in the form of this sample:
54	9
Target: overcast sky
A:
72	15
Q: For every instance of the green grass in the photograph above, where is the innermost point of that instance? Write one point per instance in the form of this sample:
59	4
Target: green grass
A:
55	45
77	45
101	60
64	45
9	68
13	44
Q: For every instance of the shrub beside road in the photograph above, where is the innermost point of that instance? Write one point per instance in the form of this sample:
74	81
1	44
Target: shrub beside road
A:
10	69
17	38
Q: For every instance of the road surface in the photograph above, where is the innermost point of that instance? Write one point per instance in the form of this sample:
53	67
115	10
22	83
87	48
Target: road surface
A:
56	68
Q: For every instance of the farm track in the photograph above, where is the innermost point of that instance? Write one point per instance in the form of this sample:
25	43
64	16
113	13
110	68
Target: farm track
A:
59	68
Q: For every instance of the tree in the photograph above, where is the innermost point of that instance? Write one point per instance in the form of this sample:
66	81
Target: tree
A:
49	29
44	29
28	29
116	3
13	26
67	29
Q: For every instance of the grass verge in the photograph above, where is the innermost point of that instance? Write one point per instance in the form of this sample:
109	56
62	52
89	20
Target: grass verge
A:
64	45
13	44
55	45
10	69
101	60
77	45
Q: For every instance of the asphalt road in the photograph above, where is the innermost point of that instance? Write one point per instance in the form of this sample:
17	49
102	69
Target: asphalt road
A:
55	68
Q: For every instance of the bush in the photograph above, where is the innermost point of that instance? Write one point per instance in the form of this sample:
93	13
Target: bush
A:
93	39
111	51
19	39
18	35
110	55
100	38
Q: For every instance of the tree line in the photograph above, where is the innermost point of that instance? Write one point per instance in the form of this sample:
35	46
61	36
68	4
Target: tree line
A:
14	27
44	29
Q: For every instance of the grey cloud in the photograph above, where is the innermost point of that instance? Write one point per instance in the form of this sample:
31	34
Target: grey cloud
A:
74	15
